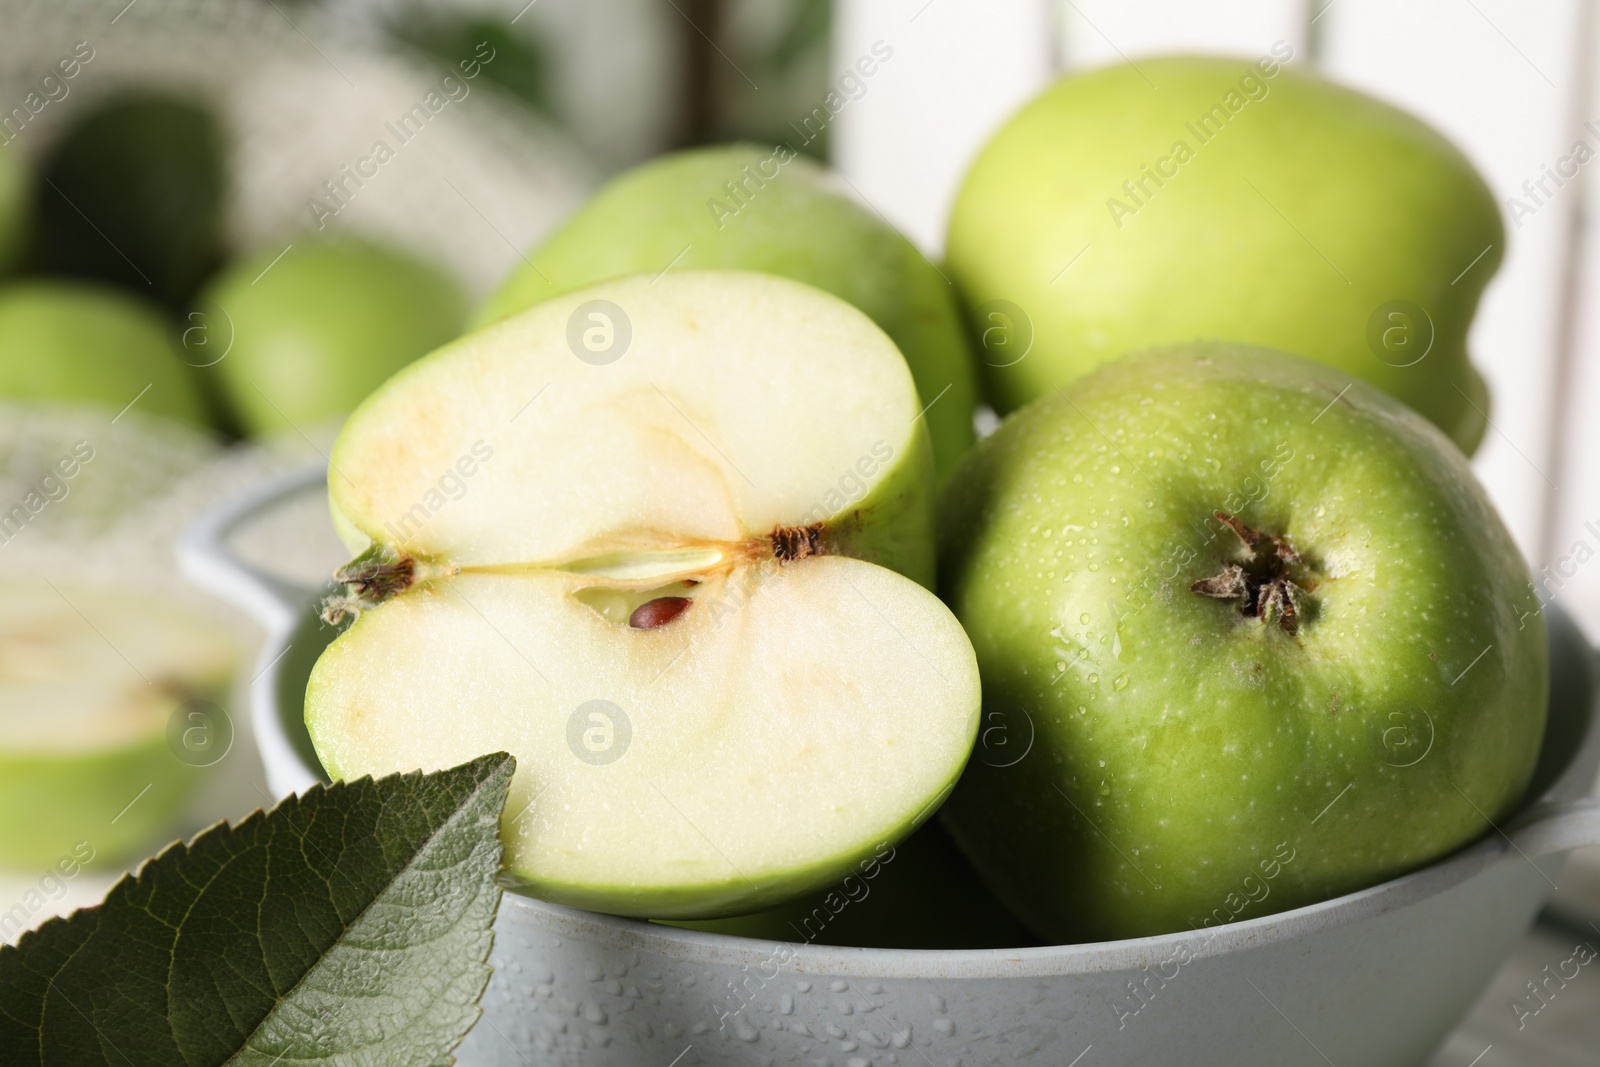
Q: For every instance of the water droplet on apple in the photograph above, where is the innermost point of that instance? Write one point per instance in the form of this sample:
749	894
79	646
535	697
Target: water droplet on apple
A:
1082	710
1105	788
1121	682
1094	679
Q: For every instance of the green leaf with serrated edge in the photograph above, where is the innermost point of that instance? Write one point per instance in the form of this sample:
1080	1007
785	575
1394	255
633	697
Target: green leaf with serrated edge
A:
349	926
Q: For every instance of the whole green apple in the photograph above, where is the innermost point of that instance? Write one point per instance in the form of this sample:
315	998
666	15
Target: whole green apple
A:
305	338
133	195
1250	635
77	342
1221	199
766	209
13	207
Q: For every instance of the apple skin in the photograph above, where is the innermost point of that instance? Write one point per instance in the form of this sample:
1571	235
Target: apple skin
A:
51	802
322	328
1179	750
797	225
1355	204
80	342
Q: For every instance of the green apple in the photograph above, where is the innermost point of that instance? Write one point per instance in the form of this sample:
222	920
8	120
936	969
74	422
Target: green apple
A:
13	207
684	588
1218	199
749	208
1263	631
306	337
78	342
133	195
108	717
921	894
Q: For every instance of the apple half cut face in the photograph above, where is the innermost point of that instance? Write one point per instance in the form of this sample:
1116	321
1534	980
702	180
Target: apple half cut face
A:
108	695
662	541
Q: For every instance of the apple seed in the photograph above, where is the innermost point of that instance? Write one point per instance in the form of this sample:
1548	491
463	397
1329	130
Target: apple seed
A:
658	612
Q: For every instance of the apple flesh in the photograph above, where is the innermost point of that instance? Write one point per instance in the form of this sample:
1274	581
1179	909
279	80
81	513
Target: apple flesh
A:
90	682
1307	218
743	207
309	336
662	541
1267	635
76	343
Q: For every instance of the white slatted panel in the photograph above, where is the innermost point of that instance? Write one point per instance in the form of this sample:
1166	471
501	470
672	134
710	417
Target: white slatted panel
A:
1500	78
1572	568
959	69
1098	32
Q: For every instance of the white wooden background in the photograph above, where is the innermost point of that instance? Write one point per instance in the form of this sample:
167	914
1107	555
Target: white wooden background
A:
1512	83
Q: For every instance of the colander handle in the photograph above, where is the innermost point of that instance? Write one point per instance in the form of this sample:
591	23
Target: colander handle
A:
207	559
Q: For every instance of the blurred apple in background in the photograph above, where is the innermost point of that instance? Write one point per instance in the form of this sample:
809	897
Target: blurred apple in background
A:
1226	199
13	207
79	342
304	338
766	209
108	717
133	195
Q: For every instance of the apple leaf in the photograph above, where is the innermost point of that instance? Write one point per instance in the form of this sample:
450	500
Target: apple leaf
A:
354	914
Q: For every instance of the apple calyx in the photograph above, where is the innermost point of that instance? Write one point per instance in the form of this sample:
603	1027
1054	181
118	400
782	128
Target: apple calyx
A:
378	574
1262	584
790	543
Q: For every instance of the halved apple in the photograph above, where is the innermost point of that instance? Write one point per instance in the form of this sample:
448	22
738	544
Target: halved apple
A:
108	717
662	541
